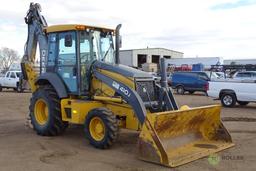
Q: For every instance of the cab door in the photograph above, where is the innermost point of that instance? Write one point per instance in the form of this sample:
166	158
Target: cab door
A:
67	60
86	58
12	80
6	79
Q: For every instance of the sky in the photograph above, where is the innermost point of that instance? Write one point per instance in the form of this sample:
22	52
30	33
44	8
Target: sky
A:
198	28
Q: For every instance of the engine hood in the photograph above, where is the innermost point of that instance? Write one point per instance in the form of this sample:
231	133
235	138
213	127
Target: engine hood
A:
123	69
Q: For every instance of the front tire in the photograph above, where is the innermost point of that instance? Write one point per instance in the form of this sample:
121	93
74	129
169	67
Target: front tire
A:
1	89
101	128
45	112
228	100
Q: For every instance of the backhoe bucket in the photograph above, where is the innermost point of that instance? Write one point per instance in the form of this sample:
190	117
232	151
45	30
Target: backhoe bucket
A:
177	137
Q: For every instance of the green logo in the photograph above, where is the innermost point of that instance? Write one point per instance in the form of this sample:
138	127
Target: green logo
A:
214	159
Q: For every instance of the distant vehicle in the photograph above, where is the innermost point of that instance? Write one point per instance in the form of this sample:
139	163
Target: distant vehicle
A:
231	92
10	80
189	81
183	67
245	75
198	67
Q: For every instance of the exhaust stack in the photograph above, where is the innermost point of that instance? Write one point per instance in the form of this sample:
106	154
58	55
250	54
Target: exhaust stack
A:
118	42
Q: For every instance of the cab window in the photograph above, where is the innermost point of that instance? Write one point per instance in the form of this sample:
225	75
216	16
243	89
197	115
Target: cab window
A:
86	58
8	74
67	60
243	75
203	76
18	74
13	75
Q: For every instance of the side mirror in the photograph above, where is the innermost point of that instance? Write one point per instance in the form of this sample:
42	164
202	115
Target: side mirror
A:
68	40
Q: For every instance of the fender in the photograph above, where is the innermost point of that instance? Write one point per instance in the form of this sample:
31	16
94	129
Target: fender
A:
55	81
226	91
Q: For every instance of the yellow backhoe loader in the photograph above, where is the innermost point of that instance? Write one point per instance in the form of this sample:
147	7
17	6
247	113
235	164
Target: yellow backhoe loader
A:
80	81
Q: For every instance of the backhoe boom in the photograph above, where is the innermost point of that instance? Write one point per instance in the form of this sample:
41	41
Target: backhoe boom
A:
36	35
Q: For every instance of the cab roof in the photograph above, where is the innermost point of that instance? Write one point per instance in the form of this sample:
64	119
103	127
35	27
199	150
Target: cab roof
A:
67	27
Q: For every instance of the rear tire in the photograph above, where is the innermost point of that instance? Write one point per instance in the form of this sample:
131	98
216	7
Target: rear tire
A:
1	89
242	103
105	131
228	99
180	90
46	122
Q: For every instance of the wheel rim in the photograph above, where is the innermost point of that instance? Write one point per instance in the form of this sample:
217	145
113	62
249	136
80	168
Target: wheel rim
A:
41	112
227	100
97	128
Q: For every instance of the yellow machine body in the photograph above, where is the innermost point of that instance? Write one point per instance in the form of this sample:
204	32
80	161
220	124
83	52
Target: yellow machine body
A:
75	111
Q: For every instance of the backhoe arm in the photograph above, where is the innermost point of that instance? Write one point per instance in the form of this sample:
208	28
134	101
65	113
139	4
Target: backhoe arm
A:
36	34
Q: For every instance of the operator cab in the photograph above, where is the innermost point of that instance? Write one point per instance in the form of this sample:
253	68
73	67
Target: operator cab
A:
72	50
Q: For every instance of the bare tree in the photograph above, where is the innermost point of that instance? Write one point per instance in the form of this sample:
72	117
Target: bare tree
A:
7	58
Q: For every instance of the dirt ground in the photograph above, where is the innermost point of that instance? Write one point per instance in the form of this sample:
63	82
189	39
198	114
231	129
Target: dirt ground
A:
22	149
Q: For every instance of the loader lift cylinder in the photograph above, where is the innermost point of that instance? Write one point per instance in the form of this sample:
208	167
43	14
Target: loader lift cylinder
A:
166	95
163	73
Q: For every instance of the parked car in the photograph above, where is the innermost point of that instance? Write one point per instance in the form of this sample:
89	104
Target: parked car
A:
10	80
245	75
189	81
231	92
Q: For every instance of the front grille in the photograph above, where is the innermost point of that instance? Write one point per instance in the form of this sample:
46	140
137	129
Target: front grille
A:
146	90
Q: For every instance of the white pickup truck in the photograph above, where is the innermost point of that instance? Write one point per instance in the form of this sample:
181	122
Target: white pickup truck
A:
10	80
231	91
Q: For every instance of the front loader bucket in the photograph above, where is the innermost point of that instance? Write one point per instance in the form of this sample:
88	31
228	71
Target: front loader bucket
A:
177	137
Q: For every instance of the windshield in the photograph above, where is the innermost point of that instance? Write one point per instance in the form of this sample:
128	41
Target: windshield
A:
103	46
96	45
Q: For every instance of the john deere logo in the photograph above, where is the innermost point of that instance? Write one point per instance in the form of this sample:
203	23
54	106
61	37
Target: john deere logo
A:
214	159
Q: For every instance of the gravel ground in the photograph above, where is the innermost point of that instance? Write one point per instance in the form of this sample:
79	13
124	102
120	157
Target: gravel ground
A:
22	149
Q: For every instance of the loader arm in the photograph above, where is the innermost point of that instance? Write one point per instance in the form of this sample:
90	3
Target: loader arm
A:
166	98
128	94
36	35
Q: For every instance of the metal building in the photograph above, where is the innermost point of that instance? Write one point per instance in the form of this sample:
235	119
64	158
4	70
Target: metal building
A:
137	57
240	61
206	61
